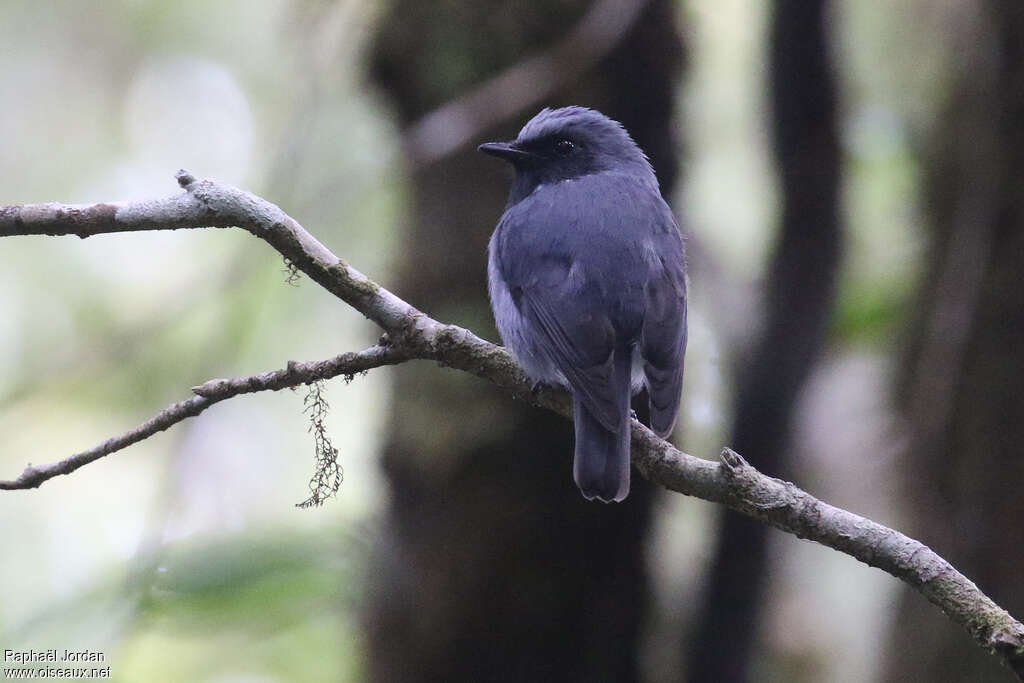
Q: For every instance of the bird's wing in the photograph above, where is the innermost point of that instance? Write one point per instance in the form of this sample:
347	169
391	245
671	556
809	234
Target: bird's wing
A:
580	342
663	336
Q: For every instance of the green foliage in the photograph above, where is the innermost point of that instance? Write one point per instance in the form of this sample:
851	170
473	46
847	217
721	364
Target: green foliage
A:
869	313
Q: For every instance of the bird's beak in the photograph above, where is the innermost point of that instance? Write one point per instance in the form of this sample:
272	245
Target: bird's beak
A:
505	150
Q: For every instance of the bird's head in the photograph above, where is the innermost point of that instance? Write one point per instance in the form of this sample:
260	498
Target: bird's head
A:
571	142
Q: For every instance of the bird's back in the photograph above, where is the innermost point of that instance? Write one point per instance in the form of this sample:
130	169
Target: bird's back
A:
595	238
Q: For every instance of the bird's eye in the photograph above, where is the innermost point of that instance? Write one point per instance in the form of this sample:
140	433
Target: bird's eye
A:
564	146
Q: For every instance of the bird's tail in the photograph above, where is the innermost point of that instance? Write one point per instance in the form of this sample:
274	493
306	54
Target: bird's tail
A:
601	463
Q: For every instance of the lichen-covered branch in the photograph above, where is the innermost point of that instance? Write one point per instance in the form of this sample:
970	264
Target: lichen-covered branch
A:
412	335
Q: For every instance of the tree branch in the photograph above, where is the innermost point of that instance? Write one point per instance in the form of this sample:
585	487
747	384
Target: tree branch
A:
413	335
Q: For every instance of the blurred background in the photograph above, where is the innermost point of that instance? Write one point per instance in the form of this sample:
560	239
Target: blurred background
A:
849	175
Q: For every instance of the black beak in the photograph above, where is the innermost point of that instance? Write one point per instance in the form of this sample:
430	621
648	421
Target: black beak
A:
505	150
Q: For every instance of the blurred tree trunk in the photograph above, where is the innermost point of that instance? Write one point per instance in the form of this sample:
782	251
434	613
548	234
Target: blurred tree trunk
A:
962	389
798	303
492	566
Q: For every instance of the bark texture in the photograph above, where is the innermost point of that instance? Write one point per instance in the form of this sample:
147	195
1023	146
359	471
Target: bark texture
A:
494	568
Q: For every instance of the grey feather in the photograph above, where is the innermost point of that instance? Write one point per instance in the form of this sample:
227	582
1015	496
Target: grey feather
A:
601	462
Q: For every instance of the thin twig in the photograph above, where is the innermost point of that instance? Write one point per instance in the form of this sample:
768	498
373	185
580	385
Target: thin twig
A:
206	395
413	335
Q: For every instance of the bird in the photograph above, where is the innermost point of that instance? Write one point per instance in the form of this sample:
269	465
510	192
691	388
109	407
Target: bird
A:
587	280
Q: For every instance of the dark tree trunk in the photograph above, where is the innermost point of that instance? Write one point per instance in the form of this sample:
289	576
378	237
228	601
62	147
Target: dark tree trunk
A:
798	303
492	567
963	385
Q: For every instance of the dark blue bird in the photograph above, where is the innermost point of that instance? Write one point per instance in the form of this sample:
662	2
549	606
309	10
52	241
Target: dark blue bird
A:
587	277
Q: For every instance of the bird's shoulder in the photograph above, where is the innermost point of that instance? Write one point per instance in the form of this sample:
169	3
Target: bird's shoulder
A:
605	227
614	192
601	211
